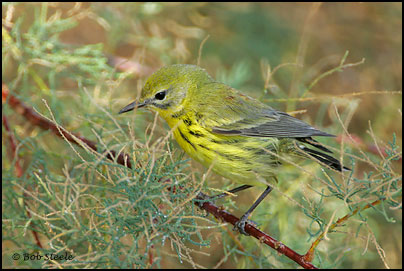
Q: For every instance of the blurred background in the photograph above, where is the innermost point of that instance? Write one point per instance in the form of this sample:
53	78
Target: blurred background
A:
337	66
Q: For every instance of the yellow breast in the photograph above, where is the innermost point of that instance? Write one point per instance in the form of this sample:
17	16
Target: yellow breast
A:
241	159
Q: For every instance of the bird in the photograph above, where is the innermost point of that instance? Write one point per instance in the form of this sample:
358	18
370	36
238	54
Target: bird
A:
239	137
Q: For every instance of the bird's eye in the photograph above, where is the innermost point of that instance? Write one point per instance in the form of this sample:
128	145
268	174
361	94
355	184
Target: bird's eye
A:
160	95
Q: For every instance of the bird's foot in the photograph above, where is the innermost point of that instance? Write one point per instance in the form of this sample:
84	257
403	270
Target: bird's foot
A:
240	225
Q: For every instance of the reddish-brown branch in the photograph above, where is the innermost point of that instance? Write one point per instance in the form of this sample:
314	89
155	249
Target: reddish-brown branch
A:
13	147
218	212
45	124
222	214
310	253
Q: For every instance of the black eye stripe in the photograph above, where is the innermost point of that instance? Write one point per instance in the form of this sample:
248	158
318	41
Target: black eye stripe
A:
160	95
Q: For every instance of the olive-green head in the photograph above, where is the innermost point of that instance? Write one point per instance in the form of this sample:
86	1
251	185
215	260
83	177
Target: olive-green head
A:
167	89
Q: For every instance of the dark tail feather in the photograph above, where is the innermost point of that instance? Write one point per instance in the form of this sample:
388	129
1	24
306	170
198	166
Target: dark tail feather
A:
314	143
325	159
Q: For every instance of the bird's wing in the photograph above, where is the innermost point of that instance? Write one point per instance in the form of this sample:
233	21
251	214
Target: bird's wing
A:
238	114
271	124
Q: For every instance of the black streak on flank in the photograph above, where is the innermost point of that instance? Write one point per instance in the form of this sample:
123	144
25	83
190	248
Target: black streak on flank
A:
203	146
187	122
215	141
186	139
195	133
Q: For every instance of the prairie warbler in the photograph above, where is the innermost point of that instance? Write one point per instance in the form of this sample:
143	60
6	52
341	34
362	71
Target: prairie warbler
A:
241	138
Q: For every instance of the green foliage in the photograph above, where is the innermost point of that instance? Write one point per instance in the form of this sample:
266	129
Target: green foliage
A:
56	59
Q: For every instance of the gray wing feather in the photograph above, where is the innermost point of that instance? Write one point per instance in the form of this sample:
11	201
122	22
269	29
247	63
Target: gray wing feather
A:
280	125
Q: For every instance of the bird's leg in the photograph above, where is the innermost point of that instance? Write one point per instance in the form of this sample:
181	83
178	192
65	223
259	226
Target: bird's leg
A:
222	195
240	225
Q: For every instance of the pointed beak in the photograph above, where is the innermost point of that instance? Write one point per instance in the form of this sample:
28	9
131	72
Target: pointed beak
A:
132	106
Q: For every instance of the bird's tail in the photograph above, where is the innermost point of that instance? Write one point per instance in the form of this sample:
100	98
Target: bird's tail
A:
320	156
325	159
